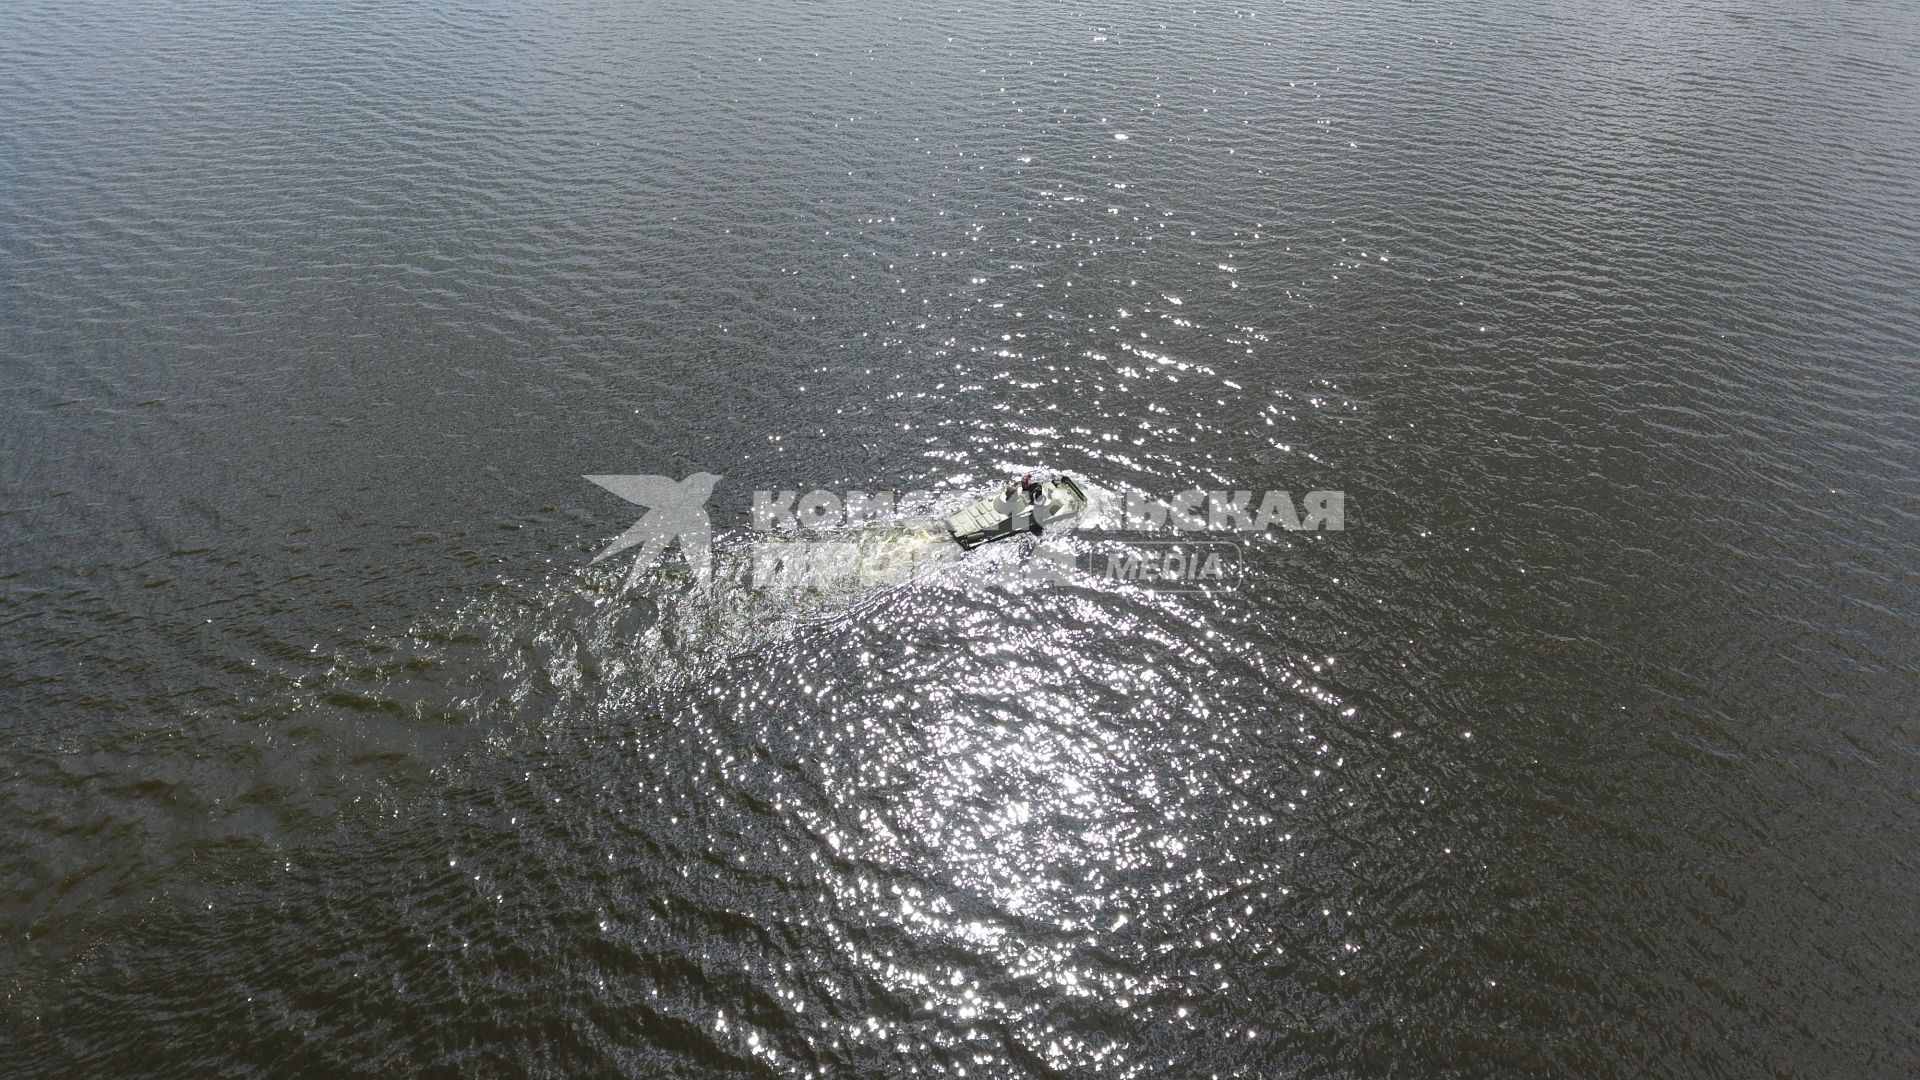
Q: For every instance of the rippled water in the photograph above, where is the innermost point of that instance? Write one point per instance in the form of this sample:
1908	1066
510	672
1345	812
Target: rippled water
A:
1586	749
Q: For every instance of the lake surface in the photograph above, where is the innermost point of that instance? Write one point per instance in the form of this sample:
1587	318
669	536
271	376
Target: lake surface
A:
1587	748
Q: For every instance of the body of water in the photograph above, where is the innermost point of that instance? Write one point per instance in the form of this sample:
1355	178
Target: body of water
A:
1587	748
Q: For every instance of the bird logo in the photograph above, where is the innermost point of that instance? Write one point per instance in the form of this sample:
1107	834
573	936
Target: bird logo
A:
676	510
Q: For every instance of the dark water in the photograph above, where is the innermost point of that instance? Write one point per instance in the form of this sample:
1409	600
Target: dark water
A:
1587	749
